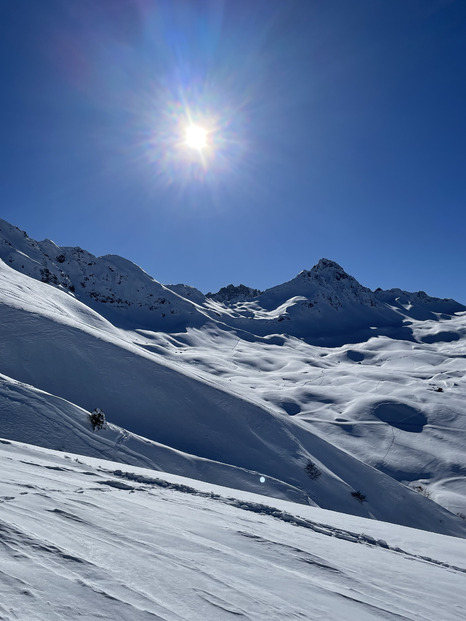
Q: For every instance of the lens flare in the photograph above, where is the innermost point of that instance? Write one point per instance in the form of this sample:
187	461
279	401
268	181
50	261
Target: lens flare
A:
193	139
196	137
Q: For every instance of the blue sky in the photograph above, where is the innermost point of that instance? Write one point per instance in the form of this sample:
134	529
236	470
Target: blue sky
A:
337	129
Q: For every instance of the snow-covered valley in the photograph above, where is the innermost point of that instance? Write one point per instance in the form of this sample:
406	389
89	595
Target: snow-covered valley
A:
315	395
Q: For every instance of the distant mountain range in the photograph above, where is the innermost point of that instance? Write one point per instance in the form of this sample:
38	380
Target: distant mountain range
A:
324	305
318	390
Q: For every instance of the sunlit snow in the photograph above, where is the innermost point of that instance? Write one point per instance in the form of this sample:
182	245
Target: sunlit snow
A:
318	394
87	539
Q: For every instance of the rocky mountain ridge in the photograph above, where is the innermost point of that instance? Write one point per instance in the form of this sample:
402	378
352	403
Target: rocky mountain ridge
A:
317	304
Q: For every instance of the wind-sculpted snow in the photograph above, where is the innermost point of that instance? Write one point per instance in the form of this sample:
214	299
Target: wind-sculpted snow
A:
145	482
81	539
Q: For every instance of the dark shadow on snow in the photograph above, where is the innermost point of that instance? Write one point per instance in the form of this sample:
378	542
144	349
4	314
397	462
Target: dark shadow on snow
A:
401	416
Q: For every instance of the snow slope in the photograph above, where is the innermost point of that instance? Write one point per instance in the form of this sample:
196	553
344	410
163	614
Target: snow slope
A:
87	539
141	391
395	404
229	399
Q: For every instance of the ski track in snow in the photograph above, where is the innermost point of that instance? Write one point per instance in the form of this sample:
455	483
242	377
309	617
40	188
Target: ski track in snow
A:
82	540
263	509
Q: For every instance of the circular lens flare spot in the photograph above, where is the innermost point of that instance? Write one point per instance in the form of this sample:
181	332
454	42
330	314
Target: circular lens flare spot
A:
196	137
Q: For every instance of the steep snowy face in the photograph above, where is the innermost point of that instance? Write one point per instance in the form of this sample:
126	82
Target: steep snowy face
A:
118	288
326	284
185	291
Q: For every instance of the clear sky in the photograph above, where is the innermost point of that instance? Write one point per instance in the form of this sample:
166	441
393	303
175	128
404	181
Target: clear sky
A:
335	128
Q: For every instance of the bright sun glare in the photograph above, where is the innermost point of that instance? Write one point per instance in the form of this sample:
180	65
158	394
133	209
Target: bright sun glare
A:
196	137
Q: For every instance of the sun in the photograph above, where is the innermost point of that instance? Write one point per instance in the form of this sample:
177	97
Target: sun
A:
196	137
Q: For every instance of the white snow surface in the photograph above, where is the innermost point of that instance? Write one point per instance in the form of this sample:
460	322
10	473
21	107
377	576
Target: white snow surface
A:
231	391
296	453
83	538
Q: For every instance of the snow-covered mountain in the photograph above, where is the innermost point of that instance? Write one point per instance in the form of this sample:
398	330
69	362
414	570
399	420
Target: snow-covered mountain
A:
258	391
323	305
114	286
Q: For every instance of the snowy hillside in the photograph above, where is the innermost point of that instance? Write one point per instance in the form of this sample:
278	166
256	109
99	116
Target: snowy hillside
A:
225	392
116	287
89	539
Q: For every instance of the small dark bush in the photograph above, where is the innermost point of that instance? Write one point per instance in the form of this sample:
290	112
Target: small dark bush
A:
312	470
97	418
359	496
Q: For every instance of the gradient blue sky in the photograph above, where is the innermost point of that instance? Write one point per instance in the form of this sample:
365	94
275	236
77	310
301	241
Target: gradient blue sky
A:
338	131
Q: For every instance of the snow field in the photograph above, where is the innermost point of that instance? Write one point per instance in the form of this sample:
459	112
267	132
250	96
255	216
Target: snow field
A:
85	539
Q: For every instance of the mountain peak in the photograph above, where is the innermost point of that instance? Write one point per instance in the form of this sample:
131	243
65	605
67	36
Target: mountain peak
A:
327	270
325	264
